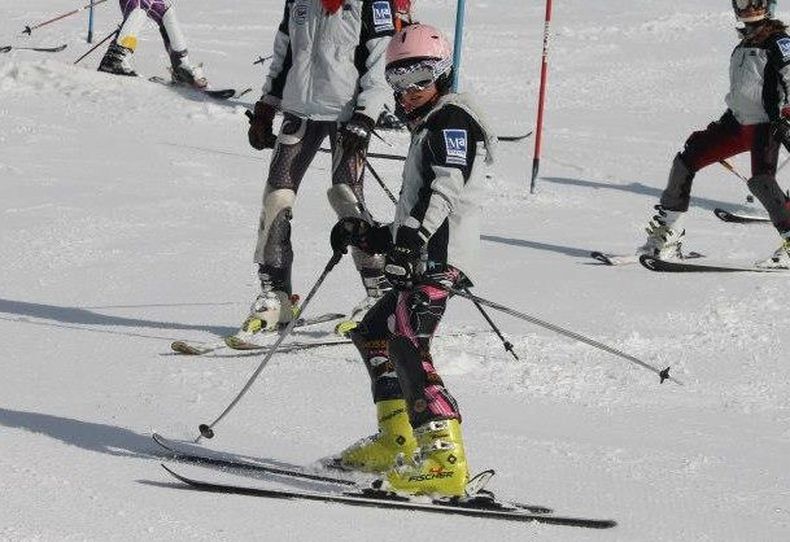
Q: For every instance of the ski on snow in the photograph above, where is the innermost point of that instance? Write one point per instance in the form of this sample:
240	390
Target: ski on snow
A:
57	49
217	94
480	505
241	341
191	452
739	218
654	264
629	259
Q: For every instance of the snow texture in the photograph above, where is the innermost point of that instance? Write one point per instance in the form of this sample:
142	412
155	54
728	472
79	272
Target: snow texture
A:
127	220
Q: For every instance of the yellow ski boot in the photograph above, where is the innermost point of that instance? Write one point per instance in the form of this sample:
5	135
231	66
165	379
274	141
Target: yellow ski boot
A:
377	453
439	468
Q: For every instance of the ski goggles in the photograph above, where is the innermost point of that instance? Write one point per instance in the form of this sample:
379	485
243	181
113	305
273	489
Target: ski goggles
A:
743	4
416	76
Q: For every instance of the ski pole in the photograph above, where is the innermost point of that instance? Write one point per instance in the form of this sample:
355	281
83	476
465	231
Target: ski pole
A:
29	29
507	344
729	167
207	430
381	183
112	34
90	22
662	373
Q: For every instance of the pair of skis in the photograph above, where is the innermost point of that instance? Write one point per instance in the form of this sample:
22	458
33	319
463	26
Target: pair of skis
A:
217	94
478	503
244	341
683	265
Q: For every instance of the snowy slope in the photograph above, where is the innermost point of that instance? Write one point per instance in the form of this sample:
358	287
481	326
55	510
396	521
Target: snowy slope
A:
127	220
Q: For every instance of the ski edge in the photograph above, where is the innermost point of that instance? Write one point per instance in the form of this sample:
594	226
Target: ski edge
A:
242	464
362	500
738	218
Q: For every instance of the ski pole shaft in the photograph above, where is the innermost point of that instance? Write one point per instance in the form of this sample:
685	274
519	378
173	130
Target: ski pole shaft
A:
662	373
544	71
376	176
112	34
28	29
729	167
507	344
207	430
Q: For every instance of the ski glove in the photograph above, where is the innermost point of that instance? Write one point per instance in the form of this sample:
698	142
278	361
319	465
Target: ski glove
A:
356	232
260	133
355	134
402	266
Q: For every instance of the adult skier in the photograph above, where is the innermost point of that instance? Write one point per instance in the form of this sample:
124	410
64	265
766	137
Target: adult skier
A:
327	78
117	58
757	120
431	245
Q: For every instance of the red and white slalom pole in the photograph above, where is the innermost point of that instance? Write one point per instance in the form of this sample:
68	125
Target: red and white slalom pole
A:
544	74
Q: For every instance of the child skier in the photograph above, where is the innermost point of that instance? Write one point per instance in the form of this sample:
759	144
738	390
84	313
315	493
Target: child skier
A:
327	77
757	120
431	245
117	58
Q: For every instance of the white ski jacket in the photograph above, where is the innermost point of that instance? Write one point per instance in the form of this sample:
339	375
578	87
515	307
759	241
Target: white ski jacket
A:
759	79
439	195
327	66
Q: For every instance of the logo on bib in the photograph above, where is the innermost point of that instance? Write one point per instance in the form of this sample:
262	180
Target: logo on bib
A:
382	16
784	47
455	145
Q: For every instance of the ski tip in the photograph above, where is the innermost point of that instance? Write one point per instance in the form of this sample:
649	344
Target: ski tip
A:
648	261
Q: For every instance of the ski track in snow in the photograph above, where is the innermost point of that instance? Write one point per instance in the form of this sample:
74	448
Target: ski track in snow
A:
128	220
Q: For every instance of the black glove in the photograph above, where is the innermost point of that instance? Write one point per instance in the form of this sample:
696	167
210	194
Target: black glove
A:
781	132
370	238
402	266
356	132
260	133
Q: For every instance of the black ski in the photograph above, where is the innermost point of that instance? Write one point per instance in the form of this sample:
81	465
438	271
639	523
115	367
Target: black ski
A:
217	94
515	137
481	506
56	49
739	218
664	266
199	348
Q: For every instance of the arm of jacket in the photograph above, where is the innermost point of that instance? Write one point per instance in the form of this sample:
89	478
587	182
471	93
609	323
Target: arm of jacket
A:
378	26
281	62
449	152
776	92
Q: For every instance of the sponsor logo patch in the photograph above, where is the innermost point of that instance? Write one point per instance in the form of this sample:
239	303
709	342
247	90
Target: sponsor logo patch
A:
455	144
784	47
382	16
300	11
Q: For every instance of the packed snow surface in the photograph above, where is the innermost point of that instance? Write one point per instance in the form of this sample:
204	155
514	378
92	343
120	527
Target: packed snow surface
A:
128	213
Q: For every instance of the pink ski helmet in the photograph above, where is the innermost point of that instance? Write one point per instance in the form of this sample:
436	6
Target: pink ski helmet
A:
417	56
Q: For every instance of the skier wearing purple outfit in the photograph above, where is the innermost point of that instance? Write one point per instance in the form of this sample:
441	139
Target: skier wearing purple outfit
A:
162	12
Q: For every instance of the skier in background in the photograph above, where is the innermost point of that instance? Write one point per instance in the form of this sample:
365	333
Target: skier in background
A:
432	244
757	120
117	58
327	78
